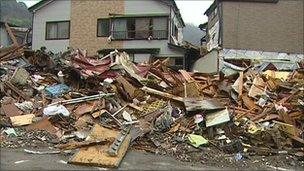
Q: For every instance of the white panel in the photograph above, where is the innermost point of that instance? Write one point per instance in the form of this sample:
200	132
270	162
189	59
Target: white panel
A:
207	63
55	11
165	51
141	58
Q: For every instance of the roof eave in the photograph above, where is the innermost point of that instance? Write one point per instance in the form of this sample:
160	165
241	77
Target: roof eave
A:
38	5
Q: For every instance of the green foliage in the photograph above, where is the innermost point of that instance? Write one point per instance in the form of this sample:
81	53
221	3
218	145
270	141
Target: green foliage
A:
15	13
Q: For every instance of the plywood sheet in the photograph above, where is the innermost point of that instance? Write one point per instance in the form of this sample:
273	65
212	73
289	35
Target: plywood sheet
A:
97	155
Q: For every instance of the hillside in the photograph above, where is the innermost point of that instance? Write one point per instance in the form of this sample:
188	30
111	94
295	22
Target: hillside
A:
192	34
15	13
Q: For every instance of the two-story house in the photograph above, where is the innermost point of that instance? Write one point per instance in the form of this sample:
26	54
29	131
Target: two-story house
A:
147	30
265	30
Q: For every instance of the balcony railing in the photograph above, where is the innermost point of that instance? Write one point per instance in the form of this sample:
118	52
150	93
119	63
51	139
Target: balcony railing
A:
139	34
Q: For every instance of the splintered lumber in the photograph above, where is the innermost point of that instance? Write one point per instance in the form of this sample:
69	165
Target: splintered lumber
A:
16	90
99	113
129	88
193	104
249	103
187	76
135	107
97	155
10	110
74	145
162	94
11	34
240	88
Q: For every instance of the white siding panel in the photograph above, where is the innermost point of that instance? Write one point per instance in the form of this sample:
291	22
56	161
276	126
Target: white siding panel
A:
145	7
55	11
206	64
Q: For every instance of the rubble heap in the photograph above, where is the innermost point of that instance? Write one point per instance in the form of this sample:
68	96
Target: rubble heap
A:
101	106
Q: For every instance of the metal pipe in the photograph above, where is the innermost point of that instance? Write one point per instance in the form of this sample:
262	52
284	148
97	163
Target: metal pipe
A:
82	99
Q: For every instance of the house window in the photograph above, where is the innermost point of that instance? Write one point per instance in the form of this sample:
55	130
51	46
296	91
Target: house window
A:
103	28
57	30
140	28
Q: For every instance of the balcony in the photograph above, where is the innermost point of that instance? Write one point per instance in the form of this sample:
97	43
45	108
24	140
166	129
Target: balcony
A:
140	35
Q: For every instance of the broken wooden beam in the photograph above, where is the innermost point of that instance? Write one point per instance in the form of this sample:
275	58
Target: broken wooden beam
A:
162	94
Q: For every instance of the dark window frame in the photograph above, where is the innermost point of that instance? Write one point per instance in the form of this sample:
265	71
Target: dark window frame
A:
110	23
150	30
51	22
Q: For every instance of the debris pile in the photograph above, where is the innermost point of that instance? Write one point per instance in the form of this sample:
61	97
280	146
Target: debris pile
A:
104	105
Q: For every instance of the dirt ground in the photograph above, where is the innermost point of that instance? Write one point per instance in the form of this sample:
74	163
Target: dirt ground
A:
17	159
175	156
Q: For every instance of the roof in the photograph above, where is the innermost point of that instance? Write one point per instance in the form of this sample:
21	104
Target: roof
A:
213	5
211	8
171	2
38	5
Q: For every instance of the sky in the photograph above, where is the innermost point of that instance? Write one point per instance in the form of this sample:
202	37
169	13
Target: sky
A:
192	11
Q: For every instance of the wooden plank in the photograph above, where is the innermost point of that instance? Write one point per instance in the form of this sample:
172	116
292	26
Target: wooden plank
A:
135	107
11	110
99	113
257	88
11	34
240	88
22	120
97	155
16	90
193	104
248	102
128	87
186	75
162	94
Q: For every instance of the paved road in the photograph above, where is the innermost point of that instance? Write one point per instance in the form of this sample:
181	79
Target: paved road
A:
17	159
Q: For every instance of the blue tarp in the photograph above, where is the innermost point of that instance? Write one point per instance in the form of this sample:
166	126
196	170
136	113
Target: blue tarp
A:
57	90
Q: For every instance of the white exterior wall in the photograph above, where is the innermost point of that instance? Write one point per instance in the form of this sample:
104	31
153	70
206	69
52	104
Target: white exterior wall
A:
151	7
165	51
55	11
